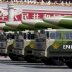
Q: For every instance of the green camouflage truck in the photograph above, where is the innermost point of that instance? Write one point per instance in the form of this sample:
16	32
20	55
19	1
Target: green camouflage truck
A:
23	46
6	43
17	26
54	46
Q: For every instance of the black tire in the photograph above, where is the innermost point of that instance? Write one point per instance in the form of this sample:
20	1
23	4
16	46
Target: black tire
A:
69	64
50	61
58	63
47	61
32	60
20	59
13	58
37	61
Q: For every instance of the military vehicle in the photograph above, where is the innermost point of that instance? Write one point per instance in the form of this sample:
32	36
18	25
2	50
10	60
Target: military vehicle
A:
54	46
9	41
23	45
16	27
6	43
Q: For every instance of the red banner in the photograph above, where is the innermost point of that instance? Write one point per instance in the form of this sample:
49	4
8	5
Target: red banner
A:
30	14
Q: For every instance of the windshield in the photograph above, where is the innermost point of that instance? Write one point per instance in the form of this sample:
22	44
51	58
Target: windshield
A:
18	36
3	37
10	36
40	36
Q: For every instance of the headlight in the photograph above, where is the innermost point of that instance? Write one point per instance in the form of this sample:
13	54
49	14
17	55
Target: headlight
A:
23	45
45	45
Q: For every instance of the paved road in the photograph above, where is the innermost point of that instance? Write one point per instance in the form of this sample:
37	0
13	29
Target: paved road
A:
6	65
39	7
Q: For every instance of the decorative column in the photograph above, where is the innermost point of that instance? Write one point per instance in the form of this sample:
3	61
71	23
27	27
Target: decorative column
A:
10	11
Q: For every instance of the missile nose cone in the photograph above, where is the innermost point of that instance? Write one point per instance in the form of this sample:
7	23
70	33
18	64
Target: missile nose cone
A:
30	22
13	24
53	20
2	25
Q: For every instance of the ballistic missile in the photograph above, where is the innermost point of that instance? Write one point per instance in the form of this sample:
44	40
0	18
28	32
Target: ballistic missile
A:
7	28
19	25
62	21
39	23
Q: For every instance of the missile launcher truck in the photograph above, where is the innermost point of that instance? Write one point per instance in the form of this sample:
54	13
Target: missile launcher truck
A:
23	46
6	43
13	27
54	46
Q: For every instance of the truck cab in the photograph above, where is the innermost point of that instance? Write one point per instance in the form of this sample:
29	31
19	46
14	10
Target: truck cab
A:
23	44
39	43
5	42
18	43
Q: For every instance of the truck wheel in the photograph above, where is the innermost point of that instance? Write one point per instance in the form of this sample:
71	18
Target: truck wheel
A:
50	61
69	64
32	60
58	63
20	59
16	58
13	58
47	61
37	61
